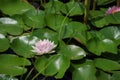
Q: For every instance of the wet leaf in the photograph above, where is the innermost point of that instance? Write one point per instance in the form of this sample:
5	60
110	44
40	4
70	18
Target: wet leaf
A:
11	64
4	43
11	26
55	65
105	64
14	7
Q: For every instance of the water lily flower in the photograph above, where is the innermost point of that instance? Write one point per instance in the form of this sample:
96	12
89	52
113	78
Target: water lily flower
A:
113	10
43	47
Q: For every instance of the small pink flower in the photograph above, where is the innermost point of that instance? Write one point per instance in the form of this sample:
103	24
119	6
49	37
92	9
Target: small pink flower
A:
113	10
43	46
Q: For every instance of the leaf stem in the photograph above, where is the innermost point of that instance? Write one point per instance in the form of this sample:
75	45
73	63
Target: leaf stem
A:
118	2
60	31
86	13
29	73
94	5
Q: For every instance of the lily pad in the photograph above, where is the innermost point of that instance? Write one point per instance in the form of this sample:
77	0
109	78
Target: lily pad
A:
73	52
55	65
11	64
23	45
11	26
4	43
14	7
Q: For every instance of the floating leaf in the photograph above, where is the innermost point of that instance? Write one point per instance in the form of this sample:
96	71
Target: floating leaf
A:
73	8
23	45
105	64
96	14
6	77
103	76
56	22
115	76
10	26
111	32
85	71
34	18
100	22
53	7
4	43
106	20
14	7
19	19
73	52
55	65
76	30
46	34
11	64
97	46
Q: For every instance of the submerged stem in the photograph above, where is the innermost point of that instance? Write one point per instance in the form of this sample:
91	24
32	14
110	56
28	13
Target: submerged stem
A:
94	5
29	73
118	2
86	13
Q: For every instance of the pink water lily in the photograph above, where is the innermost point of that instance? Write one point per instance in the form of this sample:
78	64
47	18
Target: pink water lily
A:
113	10
43	47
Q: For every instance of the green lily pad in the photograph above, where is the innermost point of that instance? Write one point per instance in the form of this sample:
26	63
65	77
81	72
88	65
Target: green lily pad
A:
46	34
97	46
112	33
11	26
73	8
103	76
14	7
53	7
54	66
23	45
7	77
34	18
116	75
85	71
105	64
56	22
11	64
73	52
4	43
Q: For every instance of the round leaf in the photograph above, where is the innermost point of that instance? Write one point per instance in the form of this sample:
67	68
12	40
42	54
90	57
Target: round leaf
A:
85	71
73	8
56	22
97	46
14	7
34	18
19	19
55	65
76	30
111	33
73	52
4	43
53	7
23	45
116	75
106	20
10	26
103	76
6	77
105	64
11	64
40	64
46	34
